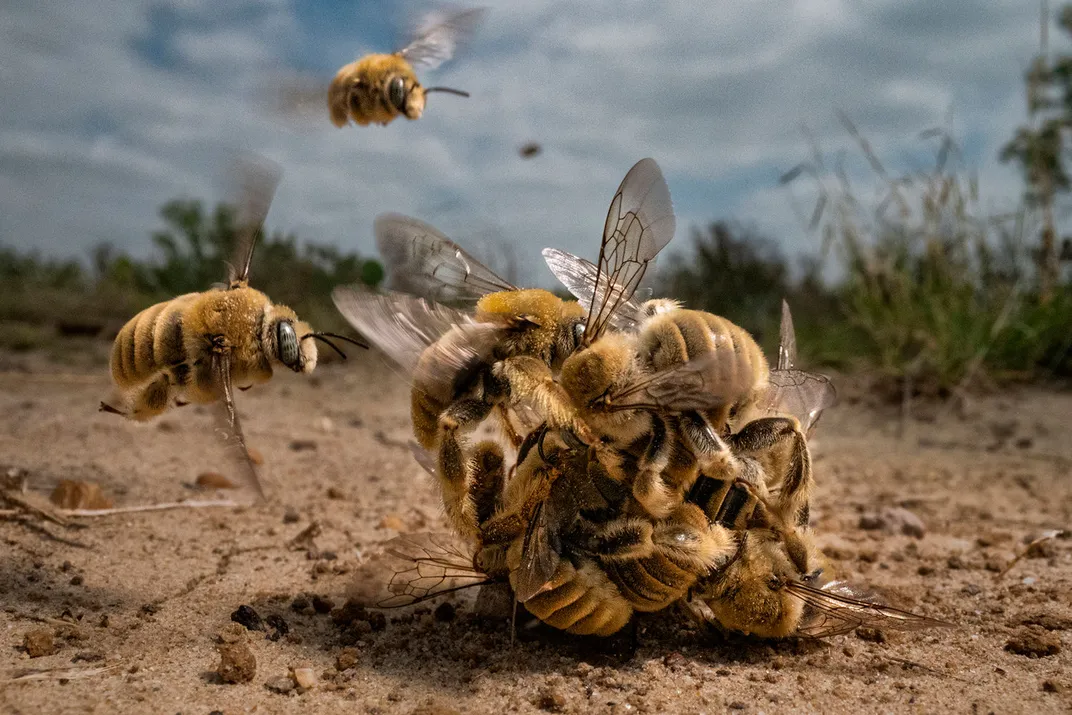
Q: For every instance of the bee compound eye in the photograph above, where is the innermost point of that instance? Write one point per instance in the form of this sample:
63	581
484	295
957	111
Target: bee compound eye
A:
396	92
578	331
287	345
774	583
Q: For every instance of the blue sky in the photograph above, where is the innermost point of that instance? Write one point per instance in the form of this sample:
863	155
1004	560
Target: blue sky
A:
111	108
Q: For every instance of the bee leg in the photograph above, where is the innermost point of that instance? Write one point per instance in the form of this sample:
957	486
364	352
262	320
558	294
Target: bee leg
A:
649	488
691	542
507	426
152	400
105	407
623	539
779	445
526	377
488	479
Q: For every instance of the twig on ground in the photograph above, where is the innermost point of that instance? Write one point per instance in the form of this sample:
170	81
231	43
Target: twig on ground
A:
189	504
20	676
1053	534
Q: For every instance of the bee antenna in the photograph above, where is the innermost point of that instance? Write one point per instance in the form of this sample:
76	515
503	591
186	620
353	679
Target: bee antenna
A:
449	90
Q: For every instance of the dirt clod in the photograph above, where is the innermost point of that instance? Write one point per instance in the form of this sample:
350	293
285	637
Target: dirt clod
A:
70	494
277	627
393	521
232	633
322	605
246	616
1034	642
303	445
346	659
894	520
214	480
432	707
237	663
551	699
445	612
255	455
39	642
291	515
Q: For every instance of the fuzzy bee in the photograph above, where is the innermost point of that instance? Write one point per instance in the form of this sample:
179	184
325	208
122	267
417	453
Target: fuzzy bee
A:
199	346
378	88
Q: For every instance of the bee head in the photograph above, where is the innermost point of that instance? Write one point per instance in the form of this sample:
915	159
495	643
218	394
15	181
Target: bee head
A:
592	374
405	95
750	595
289	346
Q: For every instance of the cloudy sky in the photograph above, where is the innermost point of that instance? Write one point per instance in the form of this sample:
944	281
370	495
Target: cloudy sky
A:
112	107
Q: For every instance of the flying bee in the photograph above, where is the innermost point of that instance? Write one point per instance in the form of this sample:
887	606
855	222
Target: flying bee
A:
381	87
199	346
508	350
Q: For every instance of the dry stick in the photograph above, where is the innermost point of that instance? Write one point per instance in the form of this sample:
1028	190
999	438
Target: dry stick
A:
21	504
58	674
1045	537
192	504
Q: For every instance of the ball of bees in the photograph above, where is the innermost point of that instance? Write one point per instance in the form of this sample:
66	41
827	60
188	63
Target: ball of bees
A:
198	347
378	88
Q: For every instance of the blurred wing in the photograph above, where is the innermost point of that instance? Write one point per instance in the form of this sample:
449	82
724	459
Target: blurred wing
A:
580	275
426	566
258	179
802	394
704	383
538	560
422	261
423	457
439	36
640	222
837	608
231	427
787	345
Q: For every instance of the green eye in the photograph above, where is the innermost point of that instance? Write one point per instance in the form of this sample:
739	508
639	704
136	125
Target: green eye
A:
287	345
396	92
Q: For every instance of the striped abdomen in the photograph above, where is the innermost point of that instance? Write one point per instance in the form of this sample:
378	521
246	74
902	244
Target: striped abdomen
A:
677	336
581	599
150	342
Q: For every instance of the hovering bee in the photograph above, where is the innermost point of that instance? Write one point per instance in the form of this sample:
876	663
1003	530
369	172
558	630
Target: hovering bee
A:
378	88
198	346
510	348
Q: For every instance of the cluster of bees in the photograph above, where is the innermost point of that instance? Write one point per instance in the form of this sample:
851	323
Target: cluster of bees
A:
647	455
644	456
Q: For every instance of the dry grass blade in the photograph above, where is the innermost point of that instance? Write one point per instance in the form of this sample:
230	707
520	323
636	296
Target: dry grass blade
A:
1027	549
190	504
19	504
28	674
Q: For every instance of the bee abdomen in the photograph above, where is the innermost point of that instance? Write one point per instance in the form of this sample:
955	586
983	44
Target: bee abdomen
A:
651	583
134	359
585	602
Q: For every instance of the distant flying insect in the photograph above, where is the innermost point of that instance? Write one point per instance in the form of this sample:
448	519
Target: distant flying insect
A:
529	150
378	88
198	346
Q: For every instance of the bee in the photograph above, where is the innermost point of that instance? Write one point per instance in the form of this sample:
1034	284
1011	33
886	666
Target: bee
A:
508	350
378	88
199	346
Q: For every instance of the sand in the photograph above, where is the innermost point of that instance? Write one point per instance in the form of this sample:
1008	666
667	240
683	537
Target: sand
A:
134	604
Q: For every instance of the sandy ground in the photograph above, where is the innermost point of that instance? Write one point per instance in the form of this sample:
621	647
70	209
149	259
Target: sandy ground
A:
145	595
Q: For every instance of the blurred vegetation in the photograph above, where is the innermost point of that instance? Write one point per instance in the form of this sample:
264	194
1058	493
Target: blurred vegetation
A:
43	298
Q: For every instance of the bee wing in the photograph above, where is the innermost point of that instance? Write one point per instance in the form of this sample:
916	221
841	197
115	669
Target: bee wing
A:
404	327
258	179
802	394
538	560
425	566
640	222
787	345
838	608
439	36
423	261
704	383
231	426
423	457
580	275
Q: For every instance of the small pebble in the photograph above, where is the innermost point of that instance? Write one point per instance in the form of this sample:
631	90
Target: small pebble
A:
303	445
280	684
291	515
278	626
213	480
1034	642
393	521
551	699
346	659
304	677
445	612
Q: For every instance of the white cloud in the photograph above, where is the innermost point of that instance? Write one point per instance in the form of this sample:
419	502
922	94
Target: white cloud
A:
95	137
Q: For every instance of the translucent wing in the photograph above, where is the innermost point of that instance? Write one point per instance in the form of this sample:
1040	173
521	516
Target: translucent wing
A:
422	261
838	608
802	394
706	382
423	457
439	36
230	425
787	345
580	275
258	179
425	566
538	560
640	222
431	343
